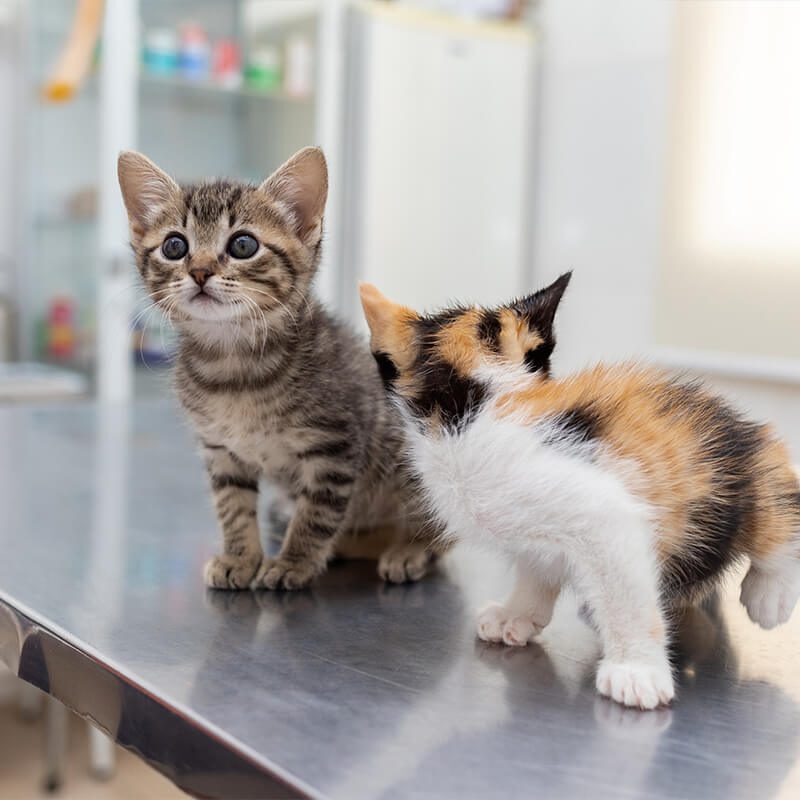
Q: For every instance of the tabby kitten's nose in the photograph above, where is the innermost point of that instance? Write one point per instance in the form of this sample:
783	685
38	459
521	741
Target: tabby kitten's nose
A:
200	275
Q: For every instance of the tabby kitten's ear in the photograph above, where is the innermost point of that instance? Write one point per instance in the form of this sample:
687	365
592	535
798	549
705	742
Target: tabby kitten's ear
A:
301	185
146	189
534	338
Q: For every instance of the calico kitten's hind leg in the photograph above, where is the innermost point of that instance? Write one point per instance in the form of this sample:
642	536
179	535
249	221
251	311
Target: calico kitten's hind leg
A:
527	610
615	571
771	588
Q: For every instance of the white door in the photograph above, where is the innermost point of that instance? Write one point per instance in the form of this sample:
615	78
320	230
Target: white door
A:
439	141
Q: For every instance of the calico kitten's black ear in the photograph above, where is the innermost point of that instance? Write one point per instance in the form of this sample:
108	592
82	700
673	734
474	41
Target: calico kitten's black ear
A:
146	189
536	313
540	307
301	185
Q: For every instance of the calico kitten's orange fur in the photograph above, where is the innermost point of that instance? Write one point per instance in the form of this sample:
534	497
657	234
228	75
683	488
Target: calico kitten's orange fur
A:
638	488
671	452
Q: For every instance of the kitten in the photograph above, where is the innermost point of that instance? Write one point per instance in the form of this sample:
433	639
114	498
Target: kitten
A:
636	488
274	385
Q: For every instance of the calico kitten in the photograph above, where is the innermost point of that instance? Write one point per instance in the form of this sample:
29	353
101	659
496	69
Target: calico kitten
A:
274	385
636	488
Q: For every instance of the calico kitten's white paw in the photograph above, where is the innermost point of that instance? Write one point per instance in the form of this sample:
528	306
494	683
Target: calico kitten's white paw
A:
283	573
496	623
404	563
768	598
639	684
230	572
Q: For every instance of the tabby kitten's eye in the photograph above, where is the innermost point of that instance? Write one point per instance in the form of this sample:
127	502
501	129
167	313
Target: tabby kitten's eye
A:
242	245
175	247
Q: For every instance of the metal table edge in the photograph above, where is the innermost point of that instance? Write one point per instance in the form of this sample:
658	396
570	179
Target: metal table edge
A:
123	706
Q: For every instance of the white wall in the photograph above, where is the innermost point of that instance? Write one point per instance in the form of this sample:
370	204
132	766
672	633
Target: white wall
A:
602	143
604	102
730	281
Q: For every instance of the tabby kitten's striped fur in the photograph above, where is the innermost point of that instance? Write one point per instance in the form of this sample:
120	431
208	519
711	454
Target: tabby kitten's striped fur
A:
273	384
636	488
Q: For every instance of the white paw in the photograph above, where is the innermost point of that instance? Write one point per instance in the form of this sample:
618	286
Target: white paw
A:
230	572
496	623
769	600
639	684
409	562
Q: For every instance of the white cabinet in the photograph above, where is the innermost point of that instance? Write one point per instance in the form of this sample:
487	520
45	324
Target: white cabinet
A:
439	145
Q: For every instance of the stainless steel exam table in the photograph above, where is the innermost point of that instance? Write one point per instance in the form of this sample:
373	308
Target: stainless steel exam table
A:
352	689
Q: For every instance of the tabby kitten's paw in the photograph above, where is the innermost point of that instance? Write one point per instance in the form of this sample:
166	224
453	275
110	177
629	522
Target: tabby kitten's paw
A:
641	684
230	572
283	573
496	623
404	563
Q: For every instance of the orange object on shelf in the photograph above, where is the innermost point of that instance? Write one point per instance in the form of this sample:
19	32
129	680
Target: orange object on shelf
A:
76	57
61	329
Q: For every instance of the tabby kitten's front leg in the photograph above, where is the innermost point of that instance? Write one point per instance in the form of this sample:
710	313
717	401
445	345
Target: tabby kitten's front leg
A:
318	518
235	490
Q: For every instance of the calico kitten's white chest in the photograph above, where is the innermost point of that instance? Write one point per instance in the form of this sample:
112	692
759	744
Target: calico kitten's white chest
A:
512	485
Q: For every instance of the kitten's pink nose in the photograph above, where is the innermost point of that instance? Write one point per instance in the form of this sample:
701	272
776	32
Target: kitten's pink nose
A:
200	275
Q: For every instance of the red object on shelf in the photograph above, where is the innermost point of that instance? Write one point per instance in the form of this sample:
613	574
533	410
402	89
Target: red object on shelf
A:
61	329
227	62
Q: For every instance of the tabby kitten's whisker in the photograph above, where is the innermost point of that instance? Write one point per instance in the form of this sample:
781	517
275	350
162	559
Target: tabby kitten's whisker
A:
274	300
303	297
253	309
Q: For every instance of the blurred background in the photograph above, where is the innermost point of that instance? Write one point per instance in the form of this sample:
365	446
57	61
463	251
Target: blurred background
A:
477	148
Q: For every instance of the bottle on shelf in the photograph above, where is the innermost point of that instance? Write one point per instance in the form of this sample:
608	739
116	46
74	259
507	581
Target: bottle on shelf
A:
227	64
299	72
195	53
60	332
160	52
263	71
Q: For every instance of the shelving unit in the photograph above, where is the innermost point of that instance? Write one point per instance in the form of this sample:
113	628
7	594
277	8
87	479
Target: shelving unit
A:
193	129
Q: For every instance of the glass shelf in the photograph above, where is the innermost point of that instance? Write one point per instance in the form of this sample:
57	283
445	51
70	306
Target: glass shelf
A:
211	89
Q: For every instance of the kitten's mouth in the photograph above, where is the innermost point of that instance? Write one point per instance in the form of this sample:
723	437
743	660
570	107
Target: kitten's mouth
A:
204	298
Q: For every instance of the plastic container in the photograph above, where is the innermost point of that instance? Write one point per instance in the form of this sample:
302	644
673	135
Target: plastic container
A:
61	338
227	63
195	53
299	74
160	52
263	71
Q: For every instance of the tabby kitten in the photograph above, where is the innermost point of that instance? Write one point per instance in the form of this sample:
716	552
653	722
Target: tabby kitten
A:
636	488
274	385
